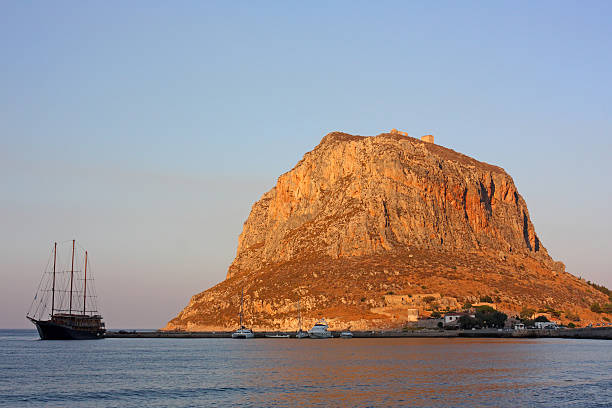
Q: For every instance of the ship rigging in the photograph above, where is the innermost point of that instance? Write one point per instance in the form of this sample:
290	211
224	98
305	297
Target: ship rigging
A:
71	312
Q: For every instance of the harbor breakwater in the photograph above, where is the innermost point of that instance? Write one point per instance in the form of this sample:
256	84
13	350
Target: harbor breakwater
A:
603	333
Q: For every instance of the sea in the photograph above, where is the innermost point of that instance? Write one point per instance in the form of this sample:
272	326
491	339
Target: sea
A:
432	372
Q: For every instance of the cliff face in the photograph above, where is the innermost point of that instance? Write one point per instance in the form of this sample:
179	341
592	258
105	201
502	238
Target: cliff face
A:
355	196
358	216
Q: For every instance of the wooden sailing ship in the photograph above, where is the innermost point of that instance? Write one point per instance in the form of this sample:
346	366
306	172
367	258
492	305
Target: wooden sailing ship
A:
67	318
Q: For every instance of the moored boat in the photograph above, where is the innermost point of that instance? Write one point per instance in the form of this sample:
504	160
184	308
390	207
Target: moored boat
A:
242	332
300	333
67	319
319	330
346	334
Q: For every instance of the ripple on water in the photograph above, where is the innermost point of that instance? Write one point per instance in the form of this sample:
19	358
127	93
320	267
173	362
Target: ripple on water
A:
357	372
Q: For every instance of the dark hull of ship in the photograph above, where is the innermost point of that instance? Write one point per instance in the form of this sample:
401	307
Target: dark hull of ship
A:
49	330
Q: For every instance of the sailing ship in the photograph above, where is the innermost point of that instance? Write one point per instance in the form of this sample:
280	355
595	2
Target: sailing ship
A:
242	332
67	319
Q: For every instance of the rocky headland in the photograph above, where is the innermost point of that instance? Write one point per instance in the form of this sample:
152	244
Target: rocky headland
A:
371	232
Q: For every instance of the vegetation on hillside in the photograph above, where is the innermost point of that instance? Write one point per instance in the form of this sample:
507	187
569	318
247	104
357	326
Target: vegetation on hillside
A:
602	289
526	313
597	308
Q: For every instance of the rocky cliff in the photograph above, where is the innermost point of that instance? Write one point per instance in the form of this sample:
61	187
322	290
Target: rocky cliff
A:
363	229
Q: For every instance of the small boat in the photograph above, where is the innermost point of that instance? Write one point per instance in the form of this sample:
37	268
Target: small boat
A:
300	333
319	330
68	319
242	332
277	336
346	334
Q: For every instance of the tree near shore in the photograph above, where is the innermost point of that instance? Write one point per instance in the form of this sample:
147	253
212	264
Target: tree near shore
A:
486	316
467	323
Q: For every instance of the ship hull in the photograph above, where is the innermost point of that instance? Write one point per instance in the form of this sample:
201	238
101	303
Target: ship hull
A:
49	330
242	335
326	335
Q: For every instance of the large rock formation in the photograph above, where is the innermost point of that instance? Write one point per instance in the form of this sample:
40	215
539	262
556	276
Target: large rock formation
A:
366	231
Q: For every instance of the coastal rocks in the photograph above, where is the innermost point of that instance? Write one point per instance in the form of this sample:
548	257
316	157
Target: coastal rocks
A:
359	219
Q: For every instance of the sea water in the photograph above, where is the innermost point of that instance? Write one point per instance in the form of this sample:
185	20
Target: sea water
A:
294	372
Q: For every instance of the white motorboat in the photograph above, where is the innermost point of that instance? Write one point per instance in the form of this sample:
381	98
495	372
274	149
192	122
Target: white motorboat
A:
346	334
319	330
242	332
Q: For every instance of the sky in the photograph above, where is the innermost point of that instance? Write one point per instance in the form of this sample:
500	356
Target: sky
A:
147	130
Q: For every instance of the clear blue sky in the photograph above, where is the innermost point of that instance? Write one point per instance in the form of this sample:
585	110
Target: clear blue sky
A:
147	130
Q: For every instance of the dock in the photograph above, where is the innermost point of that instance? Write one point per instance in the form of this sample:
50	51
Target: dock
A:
601	333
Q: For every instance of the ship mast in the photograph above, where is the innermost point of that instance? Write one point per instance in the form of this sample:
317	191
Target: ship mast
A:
71	277
299	315
241	301
53	287
85	285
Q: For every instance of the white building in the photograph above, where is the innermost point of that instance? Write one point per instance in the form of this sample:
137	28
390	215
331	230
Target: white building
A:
452	318
546	325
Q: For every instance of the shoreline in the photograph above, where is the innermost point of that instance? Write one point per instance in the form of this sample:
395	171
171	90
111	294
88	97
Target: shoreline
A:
598	333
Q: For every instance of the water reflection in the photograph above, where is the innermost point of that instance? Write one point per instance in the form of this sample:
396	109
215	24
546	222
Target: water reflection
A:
416	372
291	372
